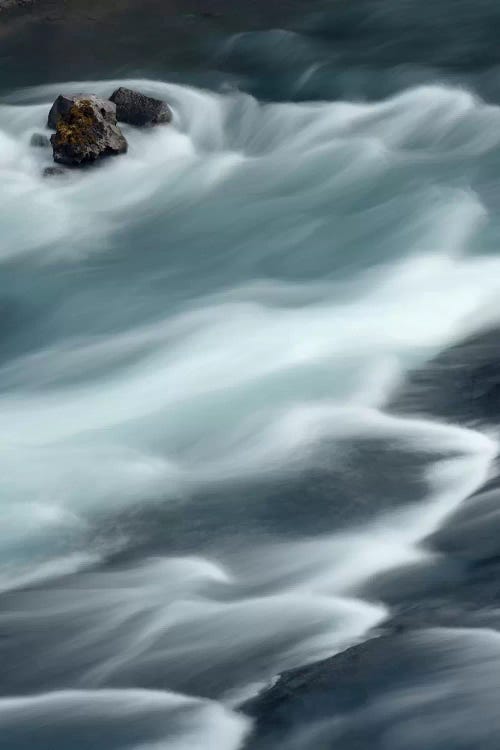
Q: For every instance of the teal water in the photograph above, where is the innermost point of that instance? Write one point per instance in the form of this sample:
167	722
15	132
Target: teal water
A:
192	334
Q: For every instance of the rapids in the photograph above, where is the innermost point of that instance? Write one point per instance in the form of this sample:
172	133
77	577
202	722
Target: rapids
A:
199	342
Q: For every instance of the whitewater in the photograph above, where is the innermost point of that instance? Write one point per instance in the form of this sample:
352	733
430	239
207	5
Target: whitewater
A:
200	467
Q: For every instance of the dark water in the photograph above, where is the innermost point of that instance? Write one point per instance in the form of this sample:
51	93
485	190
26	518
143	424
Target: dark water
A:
213	465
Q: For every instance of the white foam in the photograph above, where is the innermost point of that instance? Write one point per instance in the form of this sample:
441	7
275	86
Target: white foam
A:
216	143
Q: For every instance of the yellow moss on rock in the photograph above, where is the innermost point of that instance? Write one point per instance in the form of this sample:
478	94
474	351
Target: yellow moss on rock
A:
76	128
86	132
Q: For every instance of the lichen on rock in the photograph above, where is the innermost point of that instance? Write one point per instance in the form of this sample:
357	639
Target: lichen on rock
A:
85	132
64	102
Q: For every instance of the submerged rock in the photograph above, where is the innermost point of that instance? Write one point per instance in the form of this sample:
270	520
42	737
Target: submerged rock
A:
392	692
135	108
53	171
86	132
38	140
63	104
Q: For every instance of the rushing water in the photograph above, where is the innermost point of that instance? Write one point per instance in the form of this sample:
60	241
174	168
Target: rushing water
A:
198	474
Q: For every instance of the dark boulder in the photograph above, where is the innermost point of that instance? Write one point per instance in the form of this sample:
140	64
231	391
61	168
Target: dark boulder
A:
38	140
63	104
86	133
135	108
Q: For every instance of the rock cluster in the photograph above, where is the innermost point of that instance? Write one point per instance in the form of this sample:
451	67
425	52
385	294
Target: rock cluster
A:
87	127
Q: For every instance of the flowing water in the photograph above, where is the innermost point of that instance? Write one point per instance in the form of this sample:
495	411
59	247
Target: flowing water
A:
199	341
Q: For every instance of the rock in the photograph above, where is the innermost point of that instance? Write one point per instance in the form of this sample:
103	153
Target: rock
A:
53	171
86	133
63	104
38	140
392	692
137	109
462	384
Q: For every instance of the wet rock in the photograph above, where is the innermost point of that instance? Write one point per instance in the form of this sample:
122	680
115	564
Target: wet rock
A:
53	171
87	133
63	104
461	384
38	140
135	108
391	692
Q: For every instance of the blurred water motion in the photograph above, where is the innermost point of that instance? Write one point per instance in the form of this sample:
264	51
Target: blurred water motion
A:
214	467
